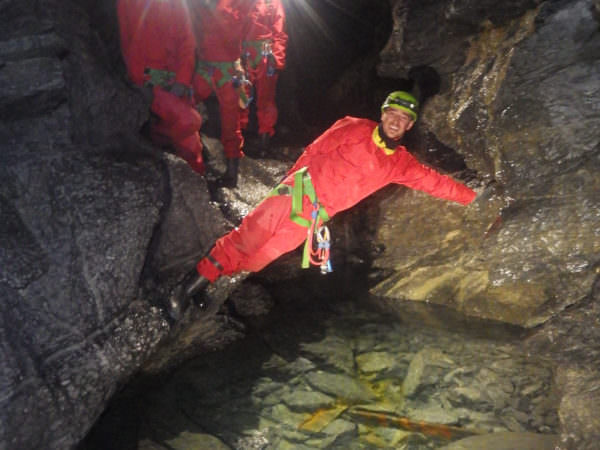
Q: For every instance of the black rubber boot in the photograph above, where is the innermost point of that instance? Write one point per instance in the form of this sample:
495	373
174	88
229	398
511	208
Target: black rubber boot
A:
263	146
265	142
186	291
229	179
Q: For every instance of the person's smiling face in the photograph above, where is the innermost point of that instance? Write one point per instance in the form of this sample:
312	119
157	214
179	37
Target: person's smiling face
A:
395	123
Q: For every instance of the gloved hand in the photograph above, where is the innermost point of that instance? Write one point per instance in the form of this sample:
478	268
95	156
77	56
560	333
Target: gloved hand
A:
489	201
485	191
180	90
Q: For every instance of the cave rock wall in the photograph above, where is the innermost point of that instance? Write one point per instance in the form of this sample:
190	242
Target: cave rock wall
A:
519	101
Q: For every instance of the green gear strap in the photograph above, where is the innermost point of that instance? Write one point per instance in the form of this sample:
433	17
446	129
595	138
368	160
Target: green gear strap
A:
258	46
302	186
206	69
158	77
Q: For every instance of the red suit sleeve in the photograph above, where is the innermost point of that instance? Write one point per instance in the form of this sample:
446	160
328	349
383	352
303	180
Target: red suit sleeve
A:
280	37
126	27
418	176
323	144
184	44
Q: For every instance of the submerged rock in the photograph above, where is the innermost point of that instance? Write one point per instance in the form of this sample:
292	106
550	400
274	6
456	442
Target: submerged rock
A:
506	441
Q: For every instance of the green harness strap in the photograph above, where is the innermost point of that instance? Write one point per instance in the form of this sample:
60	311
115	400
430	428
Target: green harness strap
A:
206	69
302	186
158	77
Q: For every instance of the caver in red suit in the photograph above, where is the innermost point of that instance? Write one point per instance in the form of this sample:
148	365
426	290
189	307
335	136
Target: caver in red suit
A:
264	53
219	27
158	45
346	164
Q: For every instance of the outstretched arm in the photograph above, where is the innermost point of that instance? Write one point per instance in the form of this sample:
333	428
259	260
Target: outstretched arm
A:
423	178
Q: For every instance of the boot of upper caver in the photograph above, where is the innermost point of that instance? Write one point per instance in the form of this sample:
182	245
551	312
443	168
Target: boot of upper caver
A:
230	178
265	143
186	291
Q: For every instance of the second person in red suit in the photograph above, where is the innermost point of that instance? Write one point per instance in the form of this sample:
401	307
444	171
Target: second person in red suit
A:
158	44
264	49
219	26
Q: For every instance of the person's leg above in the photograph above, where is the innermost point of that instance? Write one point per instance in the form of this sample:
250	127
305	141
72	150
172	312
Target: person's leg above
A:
181	123
231	133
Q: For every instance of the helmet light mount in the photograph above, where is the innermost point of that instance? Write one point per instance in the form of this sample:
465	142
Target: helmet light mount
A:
402	101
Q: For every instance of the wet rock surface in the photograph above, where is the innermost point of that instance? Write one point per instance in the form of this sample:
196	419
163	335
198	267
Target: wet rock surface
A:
576	350
535	142
344	376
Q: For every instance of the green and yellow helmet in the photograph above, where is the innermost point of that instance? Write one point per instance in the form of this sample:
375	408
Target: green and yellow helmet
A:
404	102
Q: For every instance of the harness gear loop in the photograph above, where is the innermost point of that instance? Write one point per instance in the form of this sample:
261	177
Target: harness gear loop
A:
303	186
245	90
320	255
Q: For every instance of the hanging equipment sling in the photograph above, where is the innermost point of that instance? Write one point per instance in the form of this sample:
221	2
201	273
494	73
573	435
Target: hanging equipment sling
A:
315	230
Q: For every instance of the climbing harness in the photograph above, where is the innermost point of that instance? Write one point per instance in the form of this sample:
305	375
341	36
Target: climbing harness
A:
206	69
316	231
165	79
158	77
229	72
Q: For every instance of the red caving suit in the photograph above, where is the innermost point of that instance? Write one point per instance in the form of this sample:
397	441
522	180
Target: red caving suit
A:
219	32
264	51
158	44
345	165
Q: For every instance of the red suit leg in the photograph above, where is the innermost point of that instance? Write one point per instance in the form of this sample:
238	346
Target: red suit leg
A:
266	108
244	117
265	234
190	149
179	122
229	108
202	88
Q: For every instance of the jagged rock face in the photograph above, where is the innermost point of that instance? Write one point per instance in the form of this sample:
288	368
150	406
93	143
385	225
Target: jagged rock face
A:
520	106
78	209
571	338
518	101
96	224
437	34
